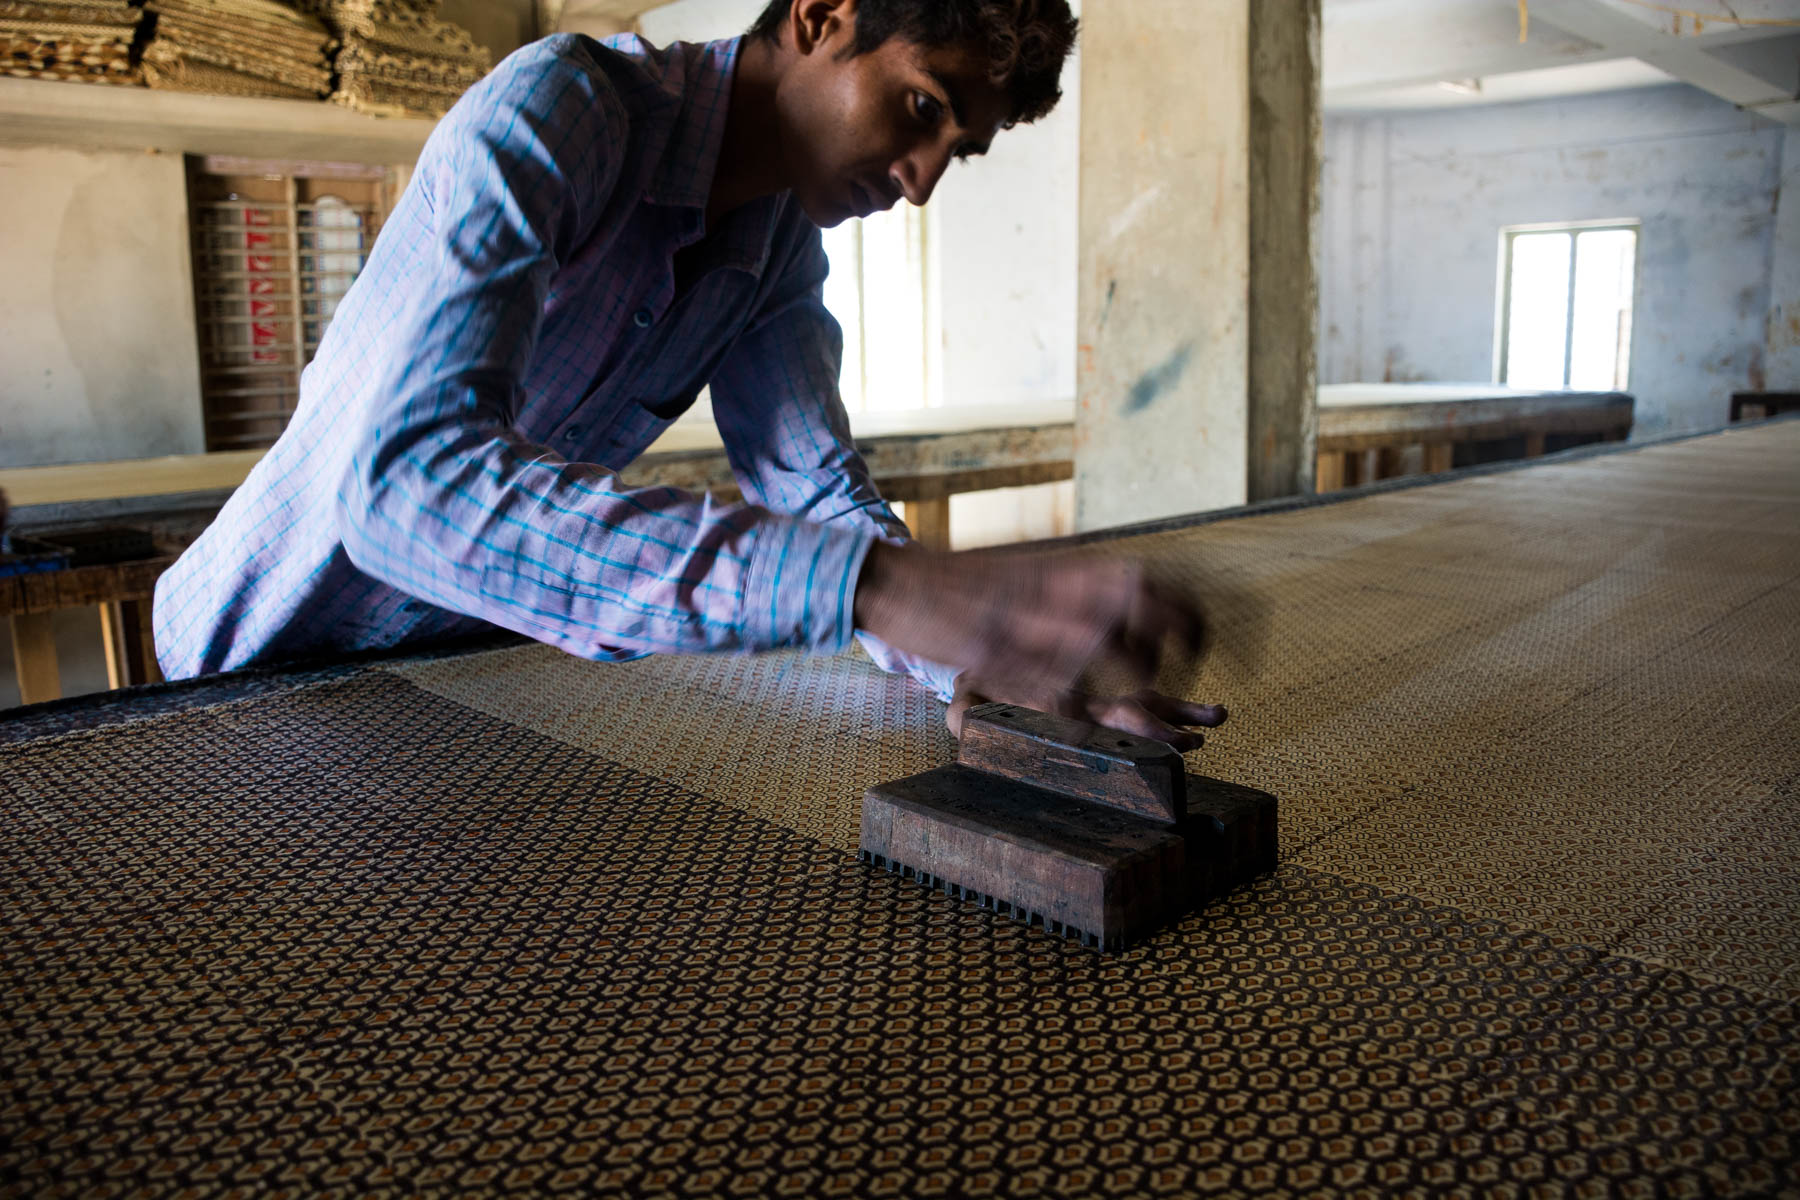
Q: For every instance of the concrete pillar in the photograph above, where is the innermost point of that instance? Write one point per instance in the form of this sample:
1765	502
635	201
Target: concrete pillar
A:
1198	293
1781	365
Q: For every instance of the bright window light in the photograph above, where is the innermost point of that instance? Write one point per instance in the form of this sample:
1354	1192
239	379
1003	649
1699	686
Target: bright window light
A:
1566	308
877	292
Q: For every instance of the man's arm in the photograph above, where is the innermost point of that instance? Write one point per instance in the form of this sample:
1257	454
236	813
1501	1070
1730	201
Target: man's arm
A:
777	405
442	498
1017	627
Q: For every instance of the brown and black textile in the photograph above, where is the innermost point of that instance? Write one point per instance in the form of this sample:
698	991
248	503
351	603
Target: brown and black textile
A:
80	41
509	921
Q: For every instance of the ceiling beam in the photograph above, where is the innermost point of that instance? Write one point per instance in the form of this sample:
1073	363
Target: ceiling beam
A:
1625	37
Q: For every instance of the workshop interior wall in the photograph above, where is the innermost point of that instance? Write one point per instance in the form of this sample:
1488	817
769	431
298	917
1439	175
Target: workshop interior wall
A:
1413	205
98	356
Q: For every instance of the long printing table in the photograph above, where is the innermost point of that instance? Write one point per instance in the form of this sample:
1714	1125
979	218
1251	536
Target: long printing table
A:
504	919
1372	431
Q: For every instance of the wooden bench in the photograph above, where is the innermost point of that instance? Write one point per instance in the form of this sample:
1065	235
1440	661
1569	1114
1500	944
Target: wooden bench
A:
121	591
1375	431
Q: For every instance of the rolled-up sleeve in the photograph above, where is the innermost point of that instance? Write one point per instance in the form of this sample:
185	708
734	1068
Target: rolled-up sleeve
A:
442	498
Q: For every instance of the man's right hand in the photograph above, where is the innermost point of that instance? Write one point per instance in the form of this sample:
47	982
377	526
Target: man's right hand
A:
1034	621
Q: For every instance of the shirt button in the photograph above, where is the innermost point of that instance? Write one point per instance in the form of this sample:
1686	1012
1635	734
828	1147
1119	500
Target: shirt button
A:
571	433
641	318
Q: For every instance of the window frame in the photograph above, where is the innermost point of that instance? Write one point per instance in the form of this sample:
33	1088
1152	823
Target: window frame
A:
922	283
1503	288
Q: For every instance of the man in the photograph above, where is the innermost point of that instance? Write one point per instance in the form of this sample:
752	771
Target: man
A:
591	235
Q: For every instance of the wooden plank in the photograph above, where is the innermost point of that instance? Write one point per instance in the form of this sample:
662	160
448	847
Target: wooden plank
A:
122	478
140	119
911	488
34	658
890	458
929	521
78	587
140	642
1439	456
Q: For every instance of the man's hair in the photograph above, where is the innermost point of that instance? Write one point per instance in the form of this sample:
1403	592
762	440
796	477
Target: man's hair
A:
1026	40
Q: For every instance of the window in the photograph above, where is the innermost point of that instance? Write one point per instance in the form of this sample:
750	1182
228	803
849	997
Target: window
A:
1565	305
276	246
879	289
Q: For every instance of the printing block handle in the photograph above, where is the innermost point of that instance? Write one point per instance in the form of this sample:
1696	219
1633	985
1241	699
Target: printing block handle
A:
1136	774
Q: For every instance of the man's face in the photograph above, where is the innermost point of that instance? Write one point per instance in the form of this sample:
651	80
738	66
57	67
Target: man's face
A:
870	130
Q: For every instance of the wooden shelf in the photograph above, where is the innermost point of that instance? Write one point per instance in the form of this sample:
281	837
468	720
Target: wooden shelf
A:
88	116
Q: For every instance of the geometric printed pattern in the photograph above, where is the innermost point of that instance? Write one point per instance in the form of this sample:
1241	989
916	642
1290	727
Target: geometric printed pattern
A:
345	973
504	923
1566	697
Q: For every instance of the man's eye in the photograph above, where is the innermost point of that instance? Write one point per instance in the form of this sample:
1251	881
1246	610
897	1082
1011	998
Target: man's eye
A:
927	109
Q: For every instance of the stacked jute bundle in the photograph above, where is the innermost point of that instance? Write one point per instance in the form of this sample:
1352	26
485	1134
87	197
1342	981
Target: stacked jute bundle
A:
238	48
85	40
398	57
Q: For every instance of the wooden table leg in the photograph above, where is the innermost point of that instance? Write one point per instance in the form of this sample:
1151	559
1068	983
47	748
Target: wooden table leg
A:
1329	473
929	521
1368	466
112	642
130	645
1439	456
34	657
140	642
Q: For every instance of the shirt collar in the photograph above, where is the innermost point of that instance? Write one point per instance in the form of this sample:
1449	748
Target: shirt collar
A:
699	78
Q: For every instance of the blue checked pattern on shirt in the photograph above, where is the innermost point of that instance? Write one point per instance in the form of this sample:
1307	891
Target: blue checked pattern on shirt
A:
543	301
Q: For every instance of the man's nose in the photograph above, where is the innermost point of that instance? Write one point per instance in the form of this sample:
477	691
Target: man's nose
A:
917	174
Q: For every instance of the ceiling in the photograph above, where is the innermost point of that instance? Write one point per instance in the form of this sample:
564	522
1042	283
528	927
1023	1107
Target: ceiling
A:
1402	54
1393	54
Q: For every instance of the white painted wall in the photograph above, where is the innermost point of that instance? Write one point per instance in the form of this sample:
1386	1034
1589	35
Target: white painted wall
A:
1413	205
1005	230
696	20
97	337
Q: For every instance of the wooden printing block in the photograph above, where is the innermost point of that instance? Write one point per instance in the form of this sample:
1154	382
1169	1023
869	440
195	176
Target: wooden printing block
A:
1097	835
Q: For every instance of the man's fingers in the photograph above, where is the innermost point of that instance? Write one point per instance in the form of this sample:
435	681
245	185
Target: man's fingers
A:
1183	712
1130	716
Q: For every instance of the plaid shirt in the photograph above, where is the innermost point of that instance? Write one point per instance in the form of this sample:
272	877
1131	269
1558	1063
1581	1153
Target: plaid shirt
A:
543	302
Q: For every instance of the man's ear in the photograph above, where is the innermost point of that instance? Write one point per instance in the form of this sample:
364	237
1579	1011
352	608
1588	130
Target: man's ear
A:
819	23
